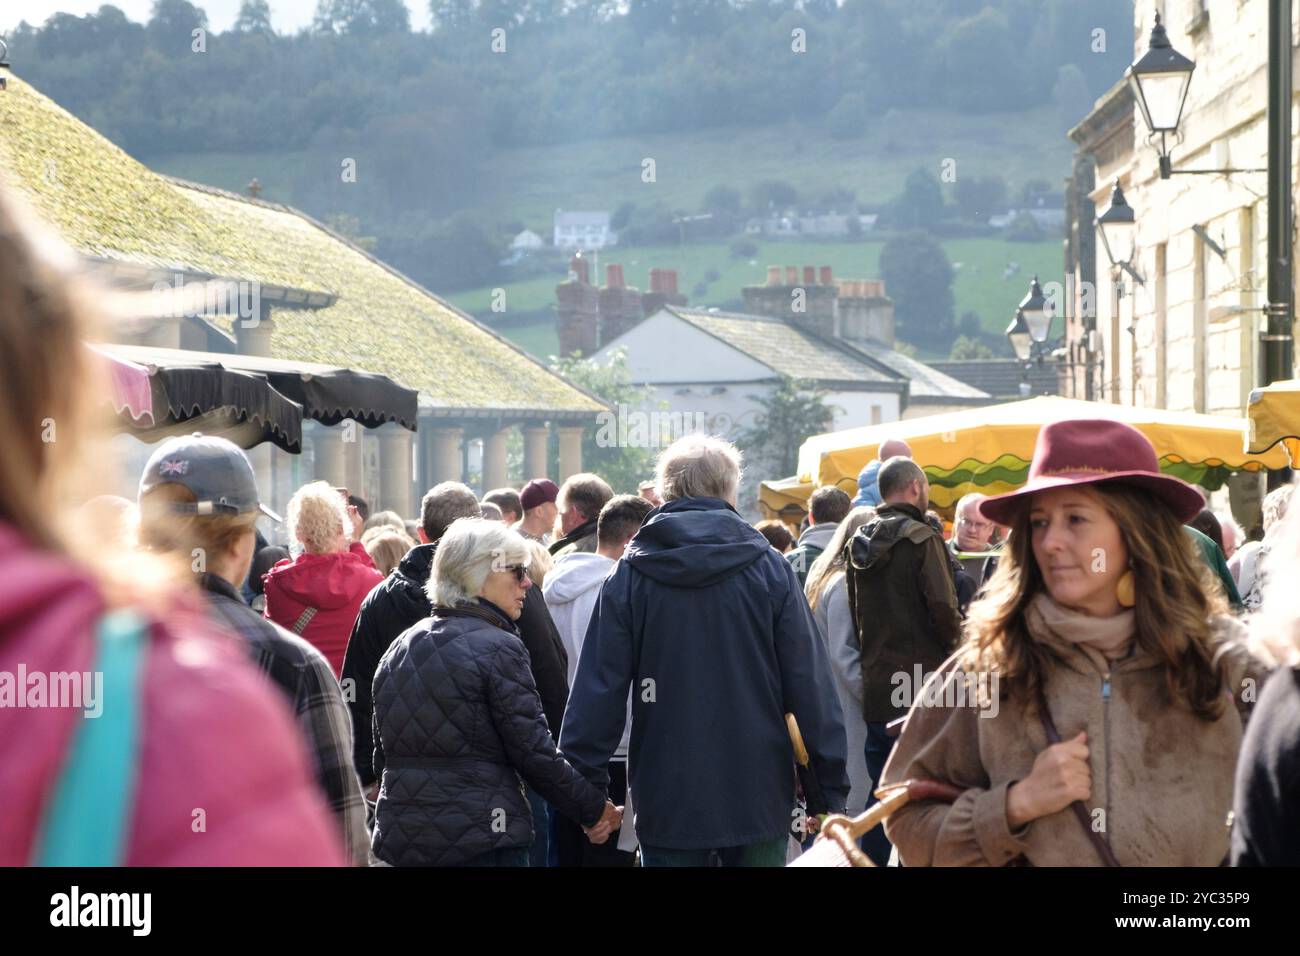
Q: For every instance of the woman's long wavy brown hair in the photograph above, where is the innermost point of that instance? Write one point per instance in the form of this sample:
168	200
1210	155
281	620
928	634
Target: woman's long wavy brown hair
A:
1176	599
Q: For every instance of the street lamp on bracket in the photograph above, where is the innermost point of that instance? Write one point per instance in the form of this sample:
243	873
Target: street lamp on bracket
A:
1118	229
1029	330
1159	80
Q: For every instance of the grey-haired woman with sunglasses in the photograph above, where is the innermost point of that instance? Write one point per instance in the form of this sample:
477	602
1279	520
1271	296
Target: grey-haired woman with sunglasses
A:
458	721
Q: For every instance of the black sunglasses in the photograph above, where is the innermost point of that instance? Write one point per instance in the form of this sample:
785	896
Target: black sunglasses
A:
520	572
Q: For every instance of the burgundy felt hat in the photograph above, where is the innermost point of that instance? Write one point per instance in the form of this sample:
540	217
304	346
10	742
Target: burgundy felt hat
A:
1091	451
538	492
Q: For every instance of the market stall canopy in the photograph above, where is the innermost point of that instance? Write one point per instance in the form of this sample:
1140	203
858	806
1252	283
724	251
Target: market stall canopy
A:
989	449
785	498
1274	415
327	393
189	394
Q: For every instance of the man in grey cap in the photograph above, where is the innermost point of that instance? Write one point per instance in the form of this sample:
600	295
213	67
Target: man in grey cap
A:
198	500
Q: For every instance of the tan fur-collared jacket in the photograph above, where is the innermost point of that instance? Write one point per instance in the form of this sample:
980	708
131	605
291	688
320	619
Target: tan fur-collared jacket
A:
1161	777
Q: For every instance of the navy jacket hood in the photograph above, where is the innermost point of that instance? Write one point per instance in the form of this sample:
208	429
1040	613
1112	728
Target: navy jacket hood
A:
694	543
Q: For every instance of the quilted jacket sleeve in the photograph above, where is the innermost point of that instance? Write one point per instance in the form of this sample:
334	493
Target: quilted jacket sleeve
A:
517	714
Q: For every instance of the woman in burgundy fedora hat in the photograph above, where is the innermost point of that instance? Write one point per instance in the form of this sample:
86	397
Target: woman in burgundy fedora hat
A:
1094	712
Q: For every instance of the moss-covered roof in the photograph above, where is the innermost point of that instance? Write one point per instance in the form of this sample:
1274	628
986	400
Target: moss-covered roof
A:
105	204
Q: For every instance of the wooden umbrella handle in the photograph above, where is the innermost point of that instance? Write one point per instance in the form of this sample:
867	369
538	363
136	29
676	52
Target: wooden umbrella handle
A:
796	739
846	832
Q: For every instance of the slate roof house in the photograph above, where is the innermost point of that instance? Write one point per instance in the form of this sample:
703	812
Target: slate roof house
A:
711	363
322	300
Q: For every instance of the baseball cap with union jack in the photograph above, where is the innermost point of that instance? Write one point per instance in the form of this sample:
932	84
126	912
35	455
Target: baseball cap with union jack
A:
215	469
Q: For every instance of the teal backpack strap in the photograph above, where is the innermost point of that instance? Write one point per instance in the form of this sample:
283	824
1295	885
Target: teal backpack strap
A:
87	821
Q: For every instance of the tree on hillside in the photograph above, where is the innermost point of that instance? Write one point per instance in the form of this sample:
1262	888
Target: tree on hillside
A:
772	194
254	17
722	199
1032	188
451	15
362	17
966	349
979	197
850	116
919	279
982	68
921	204
172	23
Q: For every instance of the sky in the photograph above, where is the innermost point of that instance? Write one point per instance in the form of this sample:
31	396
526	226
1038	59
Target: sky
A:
287	16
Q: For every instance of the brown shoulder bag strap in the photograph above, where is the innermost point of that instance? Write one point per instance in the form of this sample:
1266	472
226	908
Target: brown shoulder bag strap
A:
1080	811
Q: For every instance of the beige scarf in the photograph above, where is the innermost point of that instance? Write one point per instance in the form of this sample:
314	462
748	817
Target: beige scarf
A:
1102	639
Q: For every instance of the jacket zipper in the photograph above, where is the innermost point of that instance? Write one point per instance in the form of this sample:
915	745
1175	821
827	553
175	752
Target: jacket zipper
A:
1105	723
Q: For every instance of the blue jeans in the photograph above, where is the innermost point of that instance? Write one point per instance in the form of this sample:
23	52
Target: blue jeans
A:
767	853
879	744
510	856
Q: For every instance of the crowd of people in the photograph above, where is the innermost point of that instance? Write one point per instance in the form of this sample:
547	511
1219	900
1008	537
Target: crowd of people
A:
1107	672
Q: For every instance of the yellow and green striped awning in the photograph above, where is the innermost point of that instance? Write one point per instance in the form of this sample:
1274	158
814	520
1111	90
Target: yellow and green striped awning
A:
989	449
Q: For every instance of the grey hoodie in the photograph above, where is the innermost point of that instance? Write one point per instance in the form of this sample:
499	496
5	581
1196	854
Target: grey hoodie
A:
571	589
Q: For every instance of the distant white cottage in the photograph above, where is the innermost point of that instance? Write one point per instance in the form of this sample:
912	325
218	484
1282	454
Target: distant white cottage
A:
583	230
527	240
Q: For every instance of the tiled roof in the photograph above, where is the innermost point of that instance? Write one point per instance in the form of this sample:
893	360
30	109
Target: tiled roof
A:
1001	378
107	205
784	348
929	385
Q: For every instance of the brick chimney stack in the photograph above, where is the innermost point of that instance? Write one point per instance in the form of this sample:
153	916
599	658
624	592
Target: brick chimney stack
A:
866	313
810	304
663	291
620	306
578	310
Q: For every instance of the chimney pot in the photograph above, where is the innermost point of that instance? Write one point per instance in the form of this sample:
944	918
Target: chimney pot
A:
773	275
578	266
614	276
791	275
809	275
826	276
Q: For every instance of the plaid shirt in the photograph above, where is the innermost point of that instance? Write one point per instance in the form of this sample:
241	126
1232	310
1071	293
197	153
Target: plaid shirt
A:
304	674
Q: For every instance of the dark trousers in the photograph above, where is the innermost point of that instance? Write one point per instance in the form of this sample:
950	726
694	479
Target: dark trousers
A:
879	744
572	848
768	853
541	832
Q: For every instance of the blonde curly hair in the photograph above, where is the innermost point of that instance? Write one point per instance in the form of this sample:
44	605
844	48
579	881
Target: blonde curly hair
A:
318	517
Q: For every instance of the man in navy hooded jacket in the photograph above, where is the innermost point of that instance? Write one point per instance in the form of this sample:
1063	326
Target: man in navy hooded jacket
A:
707	625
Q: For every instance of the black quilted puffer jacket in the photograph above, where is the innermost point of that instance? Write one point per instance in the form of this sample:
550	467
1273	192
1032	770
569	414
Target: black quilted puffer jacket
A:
457	722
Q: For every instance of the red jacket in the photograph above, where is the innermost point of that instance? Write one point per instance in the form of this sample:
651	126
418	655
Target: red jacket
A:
334	584
214	734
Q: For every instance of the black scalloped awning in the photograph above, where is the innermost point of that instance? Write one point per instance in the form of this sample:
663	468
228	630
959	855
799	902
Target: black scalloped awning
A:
330	397
325	393
208	397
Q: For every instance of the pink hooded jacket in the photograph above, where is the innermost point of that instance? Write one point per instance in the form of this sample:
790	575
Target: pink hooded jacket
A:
214	736
334	584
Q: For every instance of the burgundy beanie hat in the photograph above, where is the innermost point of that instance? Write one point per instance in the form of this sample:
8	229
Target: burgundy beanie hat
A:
538	492
1094	451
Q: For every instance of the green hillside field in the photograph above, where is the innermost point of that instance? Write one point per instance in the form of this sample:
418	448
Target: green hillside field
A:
527	185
